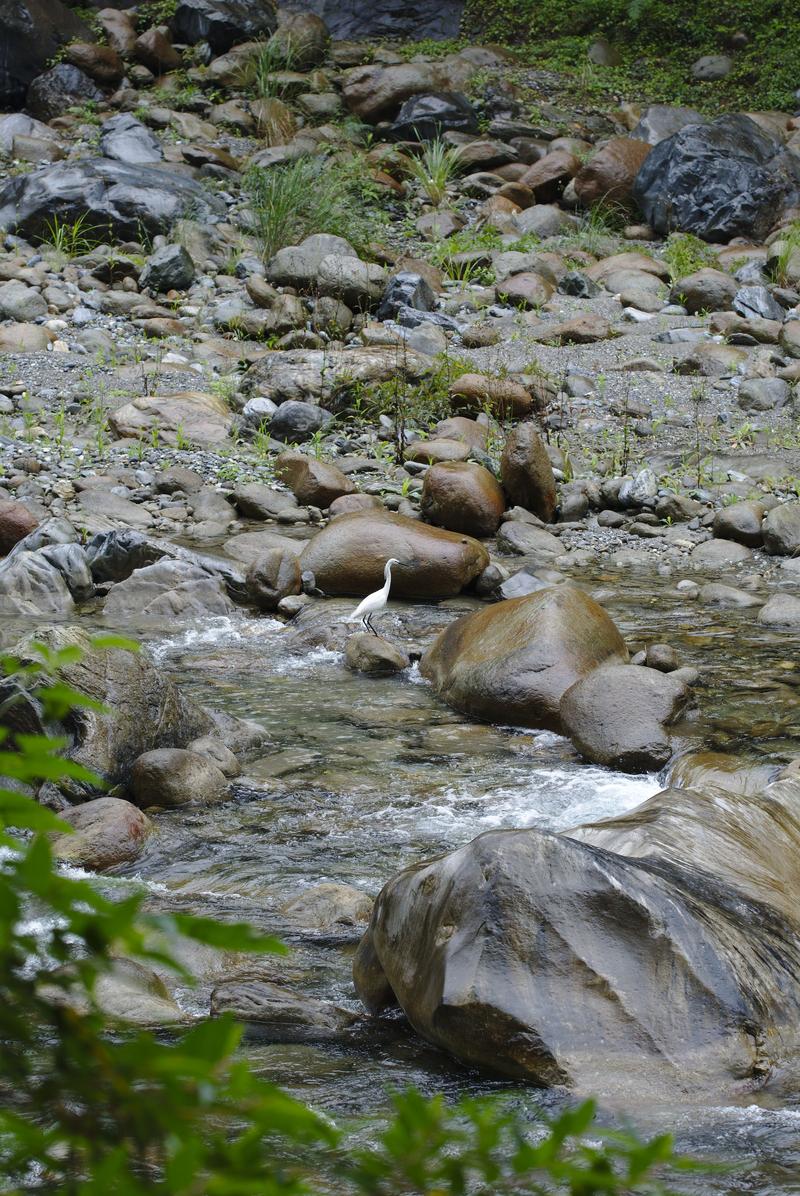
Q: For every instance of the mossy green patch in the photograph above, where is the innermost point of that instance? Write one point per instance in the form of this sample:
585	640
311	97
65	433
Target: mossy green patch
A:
658	40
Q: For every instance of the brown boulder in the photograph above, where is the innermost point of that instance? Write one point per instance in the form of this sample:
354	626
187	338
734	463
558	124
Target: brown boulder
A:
459	427
155	51
526	472
610	173
105	832
428	452
16	522
513	662
463	497
101	63
548	177
527	290
501	396
175	777
310	480
349	555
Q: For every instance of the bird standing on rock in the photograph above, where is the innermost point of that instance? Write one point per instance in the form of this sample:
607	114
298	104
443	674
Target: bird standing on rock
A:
374	602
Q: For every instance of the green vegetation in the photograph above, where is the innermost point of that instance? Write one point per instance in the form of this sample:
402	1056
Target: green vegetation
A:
71	238
657	41
435	168
91	1108
685	253
155	12
785	268
313	195
259	72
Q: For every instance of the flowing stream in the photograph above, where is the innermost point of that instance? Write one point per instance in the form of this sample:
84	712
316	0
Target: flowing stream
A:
364	776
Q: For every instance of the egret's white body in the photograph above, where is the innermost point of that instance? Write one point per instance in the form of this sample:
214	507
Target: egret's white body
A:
374	602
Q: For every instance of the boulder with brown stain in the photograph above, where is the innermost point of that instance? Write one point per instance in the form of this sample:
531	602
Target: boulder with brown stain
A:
526	472
501	396
513	662
16	522
310	480
105	832
349	555
609	174
463	497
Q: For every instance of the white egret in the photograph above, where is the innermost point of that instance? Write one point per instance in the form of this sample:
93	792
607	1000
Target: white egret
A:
374	602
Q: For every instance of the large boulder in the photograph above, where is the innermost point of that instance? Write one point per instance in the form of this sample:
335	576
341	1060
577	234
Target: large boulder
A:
725	179
311	480
560	962
141	708
513	662
113	199
526	472
194	416
223	23
781	530
619	715
376	91
33	587
162	593
463	497
330	376
425	117
171	777
105	832
610	173
126	139
659	121
32	33
349	555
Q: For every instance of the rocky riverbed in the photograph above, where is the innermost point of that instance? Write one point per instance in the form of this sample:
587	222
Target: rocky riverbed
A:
545	356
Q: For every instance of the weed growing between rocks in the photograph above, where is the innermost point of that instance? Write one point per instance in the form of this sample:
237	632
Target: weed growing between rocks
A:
307	196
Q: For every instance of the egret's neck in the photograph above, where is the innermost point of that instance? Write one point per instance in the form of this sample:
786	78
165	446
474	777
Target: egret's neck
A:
387	575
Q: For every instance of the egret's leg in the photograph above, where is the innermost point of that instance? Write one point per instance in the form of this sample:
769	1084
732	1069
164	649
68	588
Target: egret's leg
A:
368	621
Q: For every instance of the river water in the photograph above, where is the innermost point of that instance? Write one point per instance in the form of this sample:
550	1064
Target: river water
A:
363	776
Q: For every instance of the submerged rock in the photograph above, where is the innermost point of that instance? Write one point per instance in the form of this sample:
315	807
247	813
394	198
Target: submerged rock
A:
513	662
280	1014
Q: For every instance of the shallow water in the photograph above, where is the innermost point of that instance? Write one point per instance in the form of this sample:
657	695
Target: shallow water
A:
364	776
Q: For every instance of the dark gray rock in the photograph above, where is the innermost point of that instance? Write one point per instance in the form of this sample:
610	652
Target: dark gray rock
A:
720	180
58	89
577	284
32	32
113	556
71	562
295	421
764	394
756	301
223	23
406	289
168	269
115	199
712	67
127	140
425	117
404	19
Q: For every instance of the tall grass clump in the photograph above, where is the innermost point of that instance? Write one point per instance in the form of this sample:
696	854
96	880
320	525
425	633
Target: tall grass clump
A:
435	168
310	195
